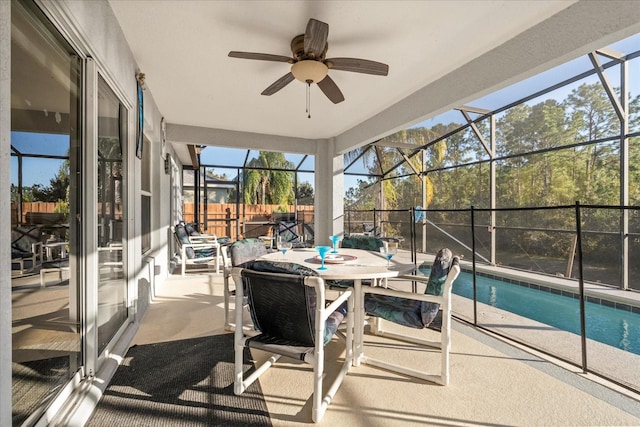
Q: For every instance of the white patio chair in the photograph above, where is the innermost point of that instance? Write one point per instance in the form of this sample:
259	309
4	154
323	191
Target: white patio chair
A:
416	311
35	257
196	253
290	312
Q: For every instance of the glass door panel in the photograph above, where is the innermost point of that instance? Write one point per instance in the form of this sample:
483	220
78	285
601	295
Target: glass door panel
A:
45	151
112	284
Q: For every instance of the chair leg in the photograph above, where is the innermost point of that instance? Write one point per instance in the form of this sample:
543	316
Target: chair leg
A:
444	344
376	325
358	335
20	262
319	406
227	296
238	386
321	402
241	383
43	272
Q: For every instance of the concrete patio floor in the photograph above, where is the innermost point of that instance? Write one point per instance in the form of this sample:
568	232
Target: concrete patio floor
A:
492	382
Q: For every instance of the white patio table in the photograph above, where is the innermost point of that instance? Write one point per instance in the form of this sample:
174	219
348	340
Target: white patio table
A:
364	265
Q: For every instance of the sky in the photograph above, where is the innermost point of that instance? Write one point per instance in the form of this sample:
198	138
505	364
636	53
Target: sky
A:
235	157
36	170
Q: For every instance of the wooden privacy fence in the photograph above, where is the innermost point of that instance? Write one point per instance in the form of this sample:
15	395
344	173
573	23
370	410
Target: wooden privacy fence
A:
222	219
36	213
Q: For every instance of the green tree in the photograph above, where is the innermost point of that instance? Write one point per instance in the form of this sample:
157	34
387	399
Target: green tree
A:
27	194
386	162
265	182
305	194
57	191
593	117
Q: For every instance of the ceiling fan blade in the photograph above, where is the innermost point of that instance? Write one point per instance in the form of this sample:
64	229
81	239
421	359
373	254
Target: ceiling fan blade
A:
358	66
260	56
278	84
330	88
315	37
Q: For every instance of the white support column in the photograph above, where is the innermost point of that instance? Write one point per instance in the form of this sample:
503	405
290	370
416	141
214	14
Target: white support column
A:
5	216
329	192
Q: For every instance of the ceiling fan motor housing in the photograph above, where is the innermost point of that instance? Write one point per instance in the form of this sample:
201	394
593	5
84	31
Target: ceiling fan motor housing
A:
297	49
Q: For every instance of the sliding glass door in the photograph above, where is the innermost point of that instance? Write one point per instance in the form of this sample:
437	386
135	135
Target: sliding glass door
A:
46	76
69	176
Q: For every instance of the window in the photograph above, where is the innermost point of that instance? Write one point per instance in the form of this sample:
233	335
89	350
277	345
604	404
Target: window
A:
145	197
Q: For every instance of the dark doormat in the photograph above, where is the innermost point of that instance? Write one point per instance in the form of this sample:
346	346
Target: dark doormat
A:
35	383
180	383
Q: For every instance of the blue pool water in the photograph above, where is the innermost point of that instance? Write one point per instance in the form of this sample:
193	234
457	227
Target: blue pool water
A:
614	327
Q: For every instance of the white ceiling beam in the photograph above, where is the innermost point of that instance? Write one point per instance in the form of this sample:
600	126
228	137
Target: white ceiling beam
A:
184	134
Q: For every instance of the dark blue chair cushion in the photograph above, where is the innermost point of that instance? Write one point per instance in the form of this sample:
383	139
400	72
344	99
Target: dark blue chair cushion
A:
408	312
19	254
191	230
334	319
183	237
367	243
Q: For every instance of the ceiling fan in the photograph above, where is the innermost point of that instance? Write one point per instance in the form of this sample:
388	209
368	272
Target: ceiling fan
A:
310	65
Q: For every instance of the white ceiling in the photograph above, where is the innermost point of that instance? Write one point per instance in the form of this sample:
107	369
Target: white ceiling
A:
182	47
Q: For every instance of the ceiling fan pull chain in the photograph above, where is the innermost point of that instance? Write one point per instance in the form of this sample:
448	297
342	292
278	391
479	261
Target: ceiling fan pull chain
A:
308	99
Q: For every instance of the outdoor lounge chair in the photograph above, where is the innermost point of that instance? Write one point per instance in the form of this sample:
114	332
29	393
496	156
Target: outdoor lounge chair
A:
293	319
240	253
196	253
33	258
416	311
195	236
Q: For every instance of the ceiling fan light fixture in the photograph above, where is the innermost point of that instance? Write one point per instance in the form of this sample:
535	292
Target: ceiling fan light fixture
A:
310	63
309	71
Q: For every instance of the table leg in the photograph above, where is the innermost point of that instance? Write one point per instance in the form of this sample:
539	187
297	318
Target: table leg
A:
218	255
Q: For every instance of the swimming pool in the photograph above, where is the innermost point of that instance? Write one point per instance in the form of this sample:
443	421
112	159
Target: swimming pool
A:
608	325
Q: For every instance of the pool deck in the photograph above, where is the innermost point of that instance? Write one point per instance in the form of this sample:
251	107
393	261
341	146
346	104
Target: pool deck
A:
494	381
618	365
